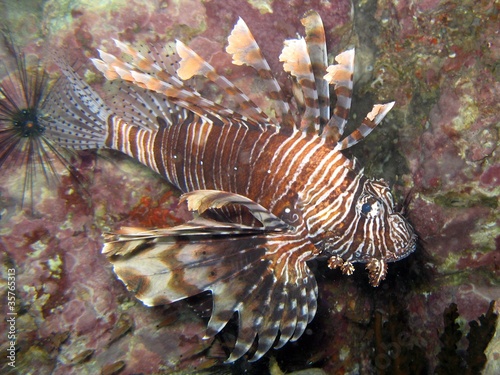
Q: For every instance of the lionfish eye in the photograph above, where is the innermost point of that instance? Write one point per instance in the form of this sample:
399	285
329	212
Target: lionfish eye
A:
365	208
371	207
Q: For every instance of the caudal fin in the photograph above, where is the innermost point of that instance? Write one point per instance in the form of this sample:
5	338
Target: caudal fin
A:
78	115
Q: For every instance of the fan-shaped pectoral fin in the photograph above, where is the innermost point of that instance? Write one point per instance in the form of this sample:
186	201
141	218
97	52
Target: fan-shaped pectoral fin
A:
263	277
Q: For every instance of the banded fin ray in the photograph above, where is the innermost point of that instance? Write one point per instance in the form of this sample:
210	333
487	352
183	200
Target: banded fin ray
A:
202	200
112	68
297	62
161	61
245	51
140	61
192	64
372	119
145	108
316	47
340	76
165	57
172	72
198	227
171	87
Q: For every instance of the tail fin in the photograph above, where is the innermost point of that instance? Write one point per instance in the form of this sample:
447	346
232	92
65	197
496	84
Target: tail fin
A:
78	115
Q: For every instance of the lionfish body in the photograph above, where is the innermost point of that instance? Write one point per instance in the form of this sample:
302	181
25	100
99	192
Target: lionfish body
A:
269	195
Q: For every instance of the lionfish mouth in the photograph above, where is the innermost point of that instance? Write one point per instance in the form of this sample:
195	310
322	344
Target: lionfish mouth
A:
407	246
407	250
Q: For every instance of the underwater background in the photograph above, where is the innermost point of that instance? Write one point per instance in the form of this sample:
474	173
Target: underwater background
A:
437	310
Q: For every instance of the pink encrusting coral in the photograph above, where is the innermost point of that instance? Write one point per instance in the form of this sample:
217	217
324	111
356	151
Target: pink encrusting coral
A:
437	59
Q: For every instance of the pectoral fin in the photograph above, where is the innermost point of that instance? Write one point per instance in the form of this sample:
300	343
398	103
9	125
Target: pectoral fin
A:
129	239
202	200
259	272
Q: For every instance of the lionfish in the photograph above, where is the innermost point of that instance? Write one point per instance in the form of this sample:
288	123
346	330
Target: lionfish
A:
268	194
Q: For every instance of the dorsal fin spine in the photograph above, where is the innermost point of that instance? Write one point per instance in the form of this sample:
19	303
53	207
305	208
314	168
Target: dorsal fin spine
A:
245	51
192	64
316	46
372	119
296	61
341	76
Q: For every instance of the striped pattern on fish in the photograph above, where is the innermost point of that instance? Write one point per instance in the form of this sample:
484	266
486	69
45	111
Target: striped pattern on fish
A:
268	193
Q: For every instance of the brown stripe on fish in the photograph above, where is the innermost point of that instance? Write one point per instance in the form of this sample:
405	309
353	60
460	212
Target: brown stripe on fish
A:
333	213
156	151
294	162
132	141
327	171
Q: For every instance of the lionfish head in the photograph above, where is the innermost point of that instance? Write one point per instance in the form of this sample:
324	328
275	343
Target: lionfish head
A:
373	232
382	232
